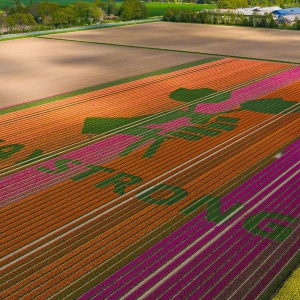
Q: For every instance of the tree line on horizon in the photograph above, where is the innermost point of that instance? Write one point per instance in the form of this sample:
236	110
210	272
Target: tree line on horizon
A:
48	15
226	18
233	4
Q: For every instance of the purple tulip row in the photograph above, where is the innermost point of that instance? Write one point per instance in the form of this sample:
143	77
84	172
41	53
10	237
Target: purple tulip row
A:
259	180
234	259
142	267
221	253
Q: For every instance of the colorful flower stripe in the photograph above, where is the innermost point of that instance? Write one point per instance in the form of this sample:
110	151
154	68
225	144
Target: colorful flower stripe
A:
26	230
168	269
279	204
119	101
41	218
99	152
274	264
242	261
9	191
255	264
220	274
94	210
203	258
235	196
72	260
251	92
277	167
175	237
292	146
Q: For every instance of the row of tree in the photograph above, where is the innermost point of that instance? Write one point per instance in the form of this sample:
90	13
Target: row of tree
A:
228	4
216	17
184	1
46	15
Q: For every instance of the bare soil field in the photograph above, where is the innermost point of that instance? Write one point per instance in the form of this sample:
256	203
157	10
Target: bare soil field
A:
34	68
259	43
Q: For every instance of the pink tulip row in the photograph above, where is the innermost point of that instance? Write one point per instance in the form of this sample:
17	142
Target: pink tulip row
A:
252	92
32	180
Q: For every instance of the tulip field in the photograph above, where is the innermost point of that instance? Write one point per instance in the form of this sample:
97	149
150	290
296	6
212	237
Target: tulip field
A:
182	185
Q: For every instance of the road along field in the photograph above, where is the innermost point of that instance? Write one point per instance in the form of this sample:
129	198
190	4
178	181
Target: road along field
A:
258	43
183	185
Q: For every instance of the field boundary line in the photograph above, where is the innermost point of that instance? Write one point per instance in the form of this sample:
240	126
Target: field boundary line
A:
33	103
170	50
20	35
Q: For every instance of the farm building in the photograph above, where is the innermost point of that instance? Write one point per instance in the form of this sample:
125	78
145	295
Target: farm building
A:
268	9
250	10
288	19
286	12
259	10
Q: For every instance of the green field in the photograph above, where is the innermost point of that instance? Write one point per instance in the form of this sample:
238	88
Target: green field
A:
158	9
154	8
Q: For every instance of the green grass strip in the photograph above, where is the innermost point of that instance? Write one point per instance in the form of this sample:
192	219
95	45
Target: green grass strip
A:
221	126
106	85
227	119
20	35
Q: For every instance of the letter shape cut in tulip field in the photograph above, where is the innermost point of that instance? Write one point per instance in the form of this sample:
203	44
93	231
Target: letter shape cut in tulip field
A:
277	226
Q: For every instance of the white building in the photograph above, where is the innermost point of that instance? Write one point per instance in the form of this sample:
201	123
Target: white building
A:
248	11
289	19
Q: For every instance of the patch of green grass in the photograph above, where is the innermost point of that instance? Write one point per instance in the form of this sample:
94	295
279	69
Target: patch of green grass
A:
158	9
186	95
270	106
102	125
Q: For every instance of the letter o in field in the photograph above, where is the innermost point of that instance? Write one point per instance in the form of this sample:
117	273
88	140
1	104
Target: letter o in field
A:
162	194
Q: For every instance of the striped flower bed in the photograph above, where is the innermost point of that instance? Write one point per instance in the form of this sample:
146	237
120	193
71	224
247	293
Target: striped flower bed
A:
190	191
219	252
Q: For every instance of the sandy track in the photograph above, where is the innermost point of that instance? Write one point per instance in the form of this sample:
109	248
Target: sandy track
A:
35	68
226	40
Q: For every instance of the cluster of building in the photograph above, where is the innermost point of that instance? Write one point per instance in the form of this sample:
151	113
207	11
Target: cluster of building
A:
288	15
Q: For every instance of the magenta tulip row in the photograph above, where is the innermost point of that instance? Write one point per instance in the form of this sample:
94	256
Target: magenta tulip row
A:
251	92
201	232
